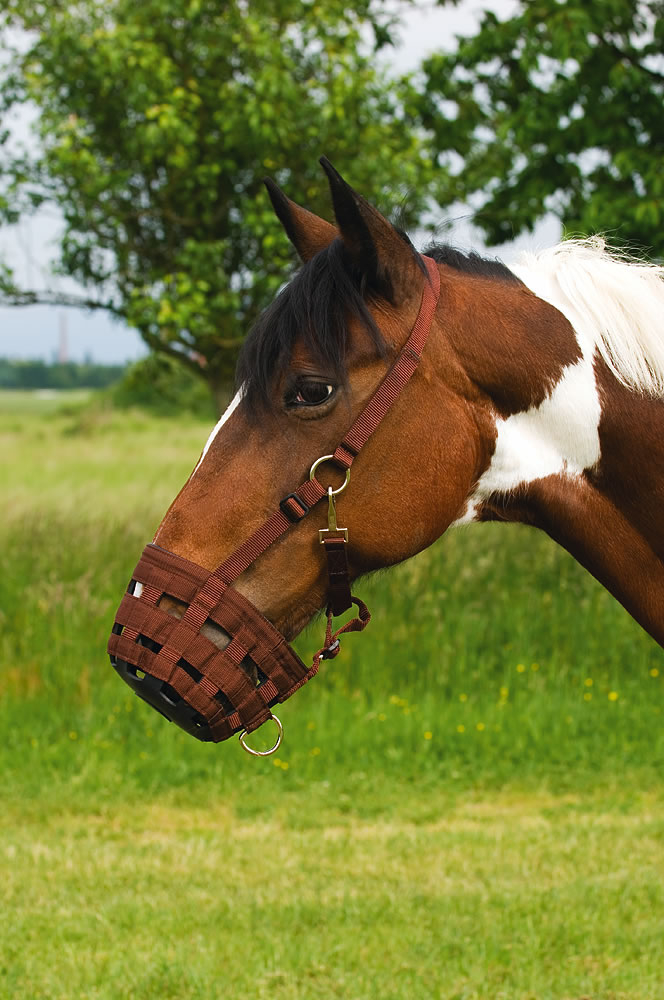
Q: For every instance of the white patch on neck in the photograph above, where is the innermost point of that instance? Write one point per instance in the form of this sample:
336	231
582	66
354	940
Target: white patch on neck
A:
558	437
232	406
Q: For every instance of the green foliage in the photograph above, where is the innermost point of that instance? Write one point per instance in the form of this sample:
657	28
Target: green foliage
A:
160	384
558	108
36	374
157	121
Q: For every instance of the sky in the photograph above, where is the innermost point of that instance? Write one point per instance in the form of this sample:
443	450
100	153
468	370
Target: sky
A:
38	331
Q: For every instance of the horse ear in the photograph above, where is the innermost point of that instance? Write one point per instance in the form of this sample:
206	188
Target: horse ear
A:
384	256
307	232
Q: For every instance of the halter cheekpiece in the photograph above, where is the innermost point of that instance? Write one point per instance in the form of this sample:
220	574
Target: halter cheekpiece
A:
213	693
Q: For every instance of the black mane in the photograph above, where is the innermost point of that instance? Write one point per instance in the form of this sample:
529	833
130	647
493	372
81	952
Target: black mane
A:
470	262
316	305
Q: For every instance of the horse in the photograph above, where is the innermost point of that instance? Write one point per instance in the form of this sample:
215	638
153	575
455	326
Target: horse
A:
473	392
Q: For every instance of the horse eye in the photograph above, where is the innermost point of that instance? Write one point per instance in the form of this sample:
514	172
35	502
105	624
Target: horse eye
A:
310	393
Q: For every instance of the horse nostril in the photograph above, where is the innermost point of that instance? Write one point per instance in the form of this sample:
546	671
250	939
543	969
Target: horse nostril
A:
172	606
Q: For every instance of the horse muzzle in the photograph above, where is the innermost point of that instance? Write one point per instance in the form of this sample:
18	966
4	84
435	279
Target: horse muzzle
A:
209	692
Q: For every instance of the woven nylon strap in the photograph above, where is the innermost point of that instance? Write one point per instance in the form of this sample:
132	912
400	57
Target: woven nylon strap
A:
397	377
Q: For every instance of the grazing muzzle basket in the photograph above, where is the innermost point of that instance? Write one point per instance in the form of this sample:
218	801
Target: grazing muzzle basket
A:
210	692
171	662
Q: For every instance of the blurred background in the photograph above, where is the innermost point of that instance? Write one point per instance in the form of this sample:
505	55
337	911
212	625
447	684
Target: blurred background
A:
468	802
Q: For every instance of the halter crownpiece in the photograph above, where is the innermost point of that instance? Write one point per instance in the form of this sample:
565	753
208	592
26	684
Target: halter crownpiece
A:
214	693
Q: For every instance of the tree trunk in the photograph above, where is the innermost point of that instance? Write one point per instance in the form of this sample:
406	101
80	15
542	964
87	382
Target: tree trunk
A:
221	391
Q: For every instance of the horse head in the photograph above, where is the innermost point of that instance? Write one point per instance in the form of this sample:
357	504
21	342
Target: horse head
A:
307	370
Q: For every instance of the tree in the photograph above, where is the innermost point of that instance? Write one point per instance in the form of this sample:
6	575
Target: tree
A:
156	123
558	108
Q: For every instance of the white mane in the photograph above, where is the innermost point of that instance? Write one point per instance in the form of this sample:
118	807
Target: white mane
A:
614	302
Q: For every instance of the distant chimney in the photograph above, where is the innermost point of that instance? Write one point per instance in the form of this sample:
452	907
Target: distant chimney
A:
63	348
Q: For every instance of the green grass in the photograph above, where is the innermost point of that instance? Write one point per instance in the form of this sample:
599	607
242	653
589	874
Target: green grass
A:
468	801
496	897
39	401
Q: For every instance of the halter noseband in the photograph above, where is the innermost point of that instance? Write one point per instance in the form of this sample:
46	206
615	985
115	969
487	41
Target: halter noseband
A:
213	693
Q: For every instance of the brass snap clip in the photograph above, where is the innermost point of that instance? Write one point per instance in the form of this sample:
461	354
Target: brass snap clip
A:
332	531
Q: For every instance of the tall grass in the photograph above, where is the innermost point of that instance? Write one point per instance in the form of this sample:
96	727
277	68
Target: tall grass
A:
491	658
467	804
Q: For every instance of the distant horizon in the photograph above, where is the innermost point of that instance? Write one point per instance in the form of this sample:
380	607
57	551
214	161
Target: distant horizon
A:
86	361
29	333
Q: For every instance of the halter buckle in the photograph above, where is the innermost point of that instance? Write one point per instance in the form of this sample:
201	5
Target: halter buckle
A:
332	531
294	507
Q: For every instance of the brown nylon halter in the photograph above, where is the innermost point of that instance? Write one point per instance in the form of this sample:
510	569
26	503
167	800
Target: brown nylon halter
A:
209	691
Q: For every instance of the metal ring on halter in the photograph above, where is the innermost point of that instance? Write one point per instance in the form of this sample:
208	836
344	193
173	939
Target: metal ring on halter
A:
328	458
263	753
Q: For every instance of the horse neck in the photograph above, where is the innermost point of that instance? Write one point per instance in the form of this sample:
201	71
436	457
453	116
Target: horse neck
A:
584	462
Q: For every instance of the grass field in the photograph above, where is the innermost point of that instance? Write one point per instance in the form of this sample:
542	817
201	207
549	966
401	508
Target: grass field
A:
468	802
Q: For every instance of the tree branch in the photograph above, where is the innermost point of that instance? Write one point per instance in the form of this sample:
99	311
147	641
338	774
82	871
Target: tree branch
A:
633	57
48	298
164	347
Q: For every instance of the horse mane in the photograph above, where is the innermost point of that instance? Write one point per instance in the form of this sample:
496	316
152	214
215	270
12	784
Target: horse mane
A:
316	306
615	303
470	262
